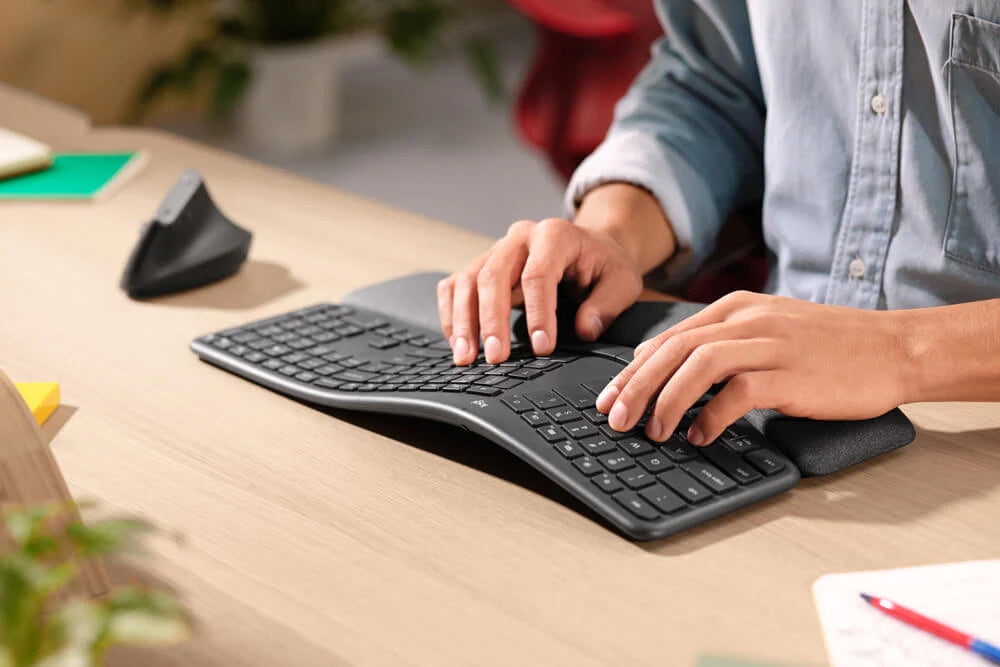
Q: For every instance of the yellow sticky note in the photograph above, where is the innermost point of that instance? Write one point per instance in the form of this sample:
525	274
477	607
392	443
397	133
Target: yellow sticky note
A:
42	398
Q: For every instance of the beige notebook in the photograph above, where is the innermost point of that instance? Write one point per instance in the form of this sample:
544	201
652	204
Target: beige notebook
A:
20	154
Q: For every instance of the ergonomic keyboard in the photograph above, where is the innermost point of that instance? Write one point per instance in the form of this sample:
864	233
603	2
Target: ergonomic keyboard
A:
539	408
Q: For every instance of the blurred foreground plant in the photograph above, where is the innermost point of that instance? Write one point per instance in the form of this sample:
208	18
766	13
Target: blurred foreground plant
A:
40	626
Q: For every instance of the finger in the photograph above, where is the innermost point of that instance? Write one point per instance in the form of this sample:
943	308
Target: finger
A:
741	394
445	290
705	366
550	251
494	284
716	311
614	292
659	360
465	319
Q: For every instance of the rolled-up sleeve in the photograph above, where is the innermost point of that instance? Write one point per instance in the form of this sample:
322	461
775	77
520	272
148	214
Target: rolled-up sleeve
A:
691	128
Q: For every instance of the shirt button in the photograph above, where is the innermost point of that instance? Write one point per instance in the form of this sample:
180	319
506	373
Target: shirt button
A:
856	268
879	105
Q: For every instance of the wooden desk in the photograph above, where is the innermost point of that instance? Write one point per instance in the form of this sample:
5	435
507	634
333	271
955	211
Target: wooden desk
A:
314	540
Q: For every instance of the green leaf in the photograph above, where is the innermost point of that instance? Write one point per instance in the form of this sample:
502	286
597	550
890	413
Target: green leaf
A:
230	85
141	616
412	30
485	65
105	537
22	523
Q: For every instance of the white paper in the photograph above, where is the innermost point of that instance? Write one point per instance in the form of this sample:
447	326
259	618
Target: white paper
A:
965	596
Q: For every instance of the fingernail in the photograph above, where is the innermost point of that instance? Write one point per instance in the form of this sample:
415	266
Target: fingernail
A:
596	326
606	398
654	427
540	342
695	436
492	349
618	416
460	349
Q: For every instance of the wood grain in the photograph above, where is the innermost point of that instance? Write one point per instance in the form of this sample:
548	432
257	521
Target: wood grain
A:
317	539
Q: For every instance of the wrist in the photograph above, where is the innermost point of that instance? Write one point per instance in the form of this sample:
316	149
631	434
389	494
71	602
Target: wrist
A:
915	359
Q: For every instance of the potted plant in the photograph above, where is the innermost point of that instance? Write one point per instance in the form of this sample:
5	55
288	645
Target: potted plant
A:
276	64
41	625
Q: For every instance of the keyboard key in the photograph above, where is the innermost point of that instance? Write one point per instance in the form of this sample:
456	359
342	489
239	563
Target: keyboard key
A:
409	387
710	476
354	375
276	350
616	461
765	461
535	418
290	370
294	357
254	357
588	466
636	505
636	478
510	384
740	445
300	343
635	446
655	462
261	343
524	373
597	385
580	429
453	388
335	357
540	364
544	399
551	433
306	376
273	364
420	341
730	463
484	391
576	396
569	449
489	381
383	343
595	417
365	321
678	451
517	403
311	363
597	445
607	483
663	499
611	433
683	485
327	384
562	415
349	330
239	350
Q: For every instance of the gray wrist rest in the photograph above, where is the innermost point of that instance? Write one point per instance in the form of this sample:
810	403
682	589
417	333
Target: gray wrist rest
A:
816	447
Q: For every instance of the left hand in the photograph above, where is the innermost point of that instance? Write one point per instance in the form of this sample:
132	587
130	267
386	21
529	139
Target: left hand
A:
801	358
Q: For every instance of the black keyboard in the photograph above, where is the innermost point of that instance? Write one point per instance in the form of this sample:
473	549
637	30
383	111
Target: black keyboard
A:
539	408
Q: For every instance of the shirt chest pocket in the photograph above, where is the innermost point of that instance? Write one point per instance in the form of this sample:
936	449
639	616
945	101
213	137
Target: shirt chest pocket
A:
973	229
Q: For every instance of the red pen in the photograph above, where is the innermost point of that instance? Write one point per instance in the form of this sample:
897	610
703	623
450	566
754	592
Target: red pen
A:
912	618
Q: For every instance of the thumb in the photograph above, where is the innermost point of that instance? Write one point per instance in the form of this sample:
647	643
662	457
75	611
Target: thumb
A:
614	292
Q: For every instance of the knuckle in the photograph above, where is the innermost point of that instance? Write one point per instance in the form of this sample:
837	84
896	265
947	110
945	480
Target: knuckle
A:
520	227
444	285
705	356
488	275
533	274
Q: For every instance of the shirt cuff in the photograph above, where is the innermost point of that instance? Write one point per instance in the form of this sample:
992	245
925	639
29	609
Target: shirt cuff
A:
638	158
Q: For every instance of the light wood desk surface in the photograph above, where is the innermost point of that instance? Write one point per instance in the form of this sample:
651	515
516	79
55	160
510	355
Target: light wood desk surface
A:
315	540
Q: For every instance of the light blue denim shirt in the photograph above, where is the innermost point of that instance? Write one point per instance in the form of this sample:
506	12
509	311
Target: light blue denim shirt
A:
869	128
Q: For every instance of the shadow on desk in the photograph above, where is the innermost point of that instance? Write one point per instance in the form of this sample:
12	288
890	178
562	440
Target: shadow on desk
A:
858	494
257	284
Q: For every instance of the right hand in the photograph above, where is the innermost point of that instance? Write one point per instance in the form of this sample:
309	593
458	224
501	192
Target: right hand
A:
529	263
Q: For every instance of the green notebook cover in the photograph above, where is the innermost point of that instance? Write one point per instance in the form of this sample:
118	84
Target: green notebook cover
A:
71	176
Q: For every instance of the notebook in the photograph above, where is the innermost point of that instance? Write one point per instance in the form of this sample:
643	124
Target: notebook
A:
74	176
963	595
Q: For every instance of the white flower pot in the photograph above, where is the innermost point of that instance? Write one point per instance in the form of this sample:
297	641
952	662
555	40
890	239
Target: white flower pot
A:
293	102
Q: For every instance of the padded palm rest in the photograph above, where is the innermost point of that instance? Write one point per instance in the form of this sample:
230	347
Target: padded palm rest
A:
816	447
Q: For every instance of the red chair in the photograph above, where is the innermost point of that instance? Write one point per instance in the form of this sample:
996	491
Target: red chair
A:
589	52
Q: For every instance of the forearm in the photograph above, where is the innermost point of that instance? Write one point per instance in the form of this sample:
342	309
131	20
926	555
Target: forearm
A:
951	353
634	219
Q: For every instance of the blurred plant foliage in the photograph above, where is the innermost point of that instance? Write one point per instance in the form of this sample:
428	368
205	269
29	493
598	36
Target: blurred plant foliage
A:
40	626
411	28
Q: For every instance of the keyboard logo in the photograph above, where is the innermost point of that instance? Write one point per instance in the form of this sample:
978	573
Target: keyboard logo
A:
481	403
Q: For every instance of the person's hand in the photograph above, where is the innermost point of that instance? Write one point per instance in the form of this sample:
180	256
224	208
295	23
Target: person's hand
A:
801	358
535	257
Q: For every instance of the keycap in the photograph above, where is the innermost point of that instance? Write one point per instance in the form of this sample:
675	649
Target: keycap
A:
300	343
595	417
510	384
261	343
544	399
535	418
683	485
254	357
294	357
276	350
517	403
335	357
580	429
311	363
409	386
588	466
540	364
354	375
365	321
607	483
765	461
710	476
328	369
562	415
290	370
244	337
569	449
524	373
655	462
351	363
616	461
453	388
576	396
238	350
597	445
596	385
551	433
636	505
273	364
677	450
484	391
420	341
663	499
383	343
611	433
306	376
730	463
741	445
489	380
349	330
635	446
636	478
